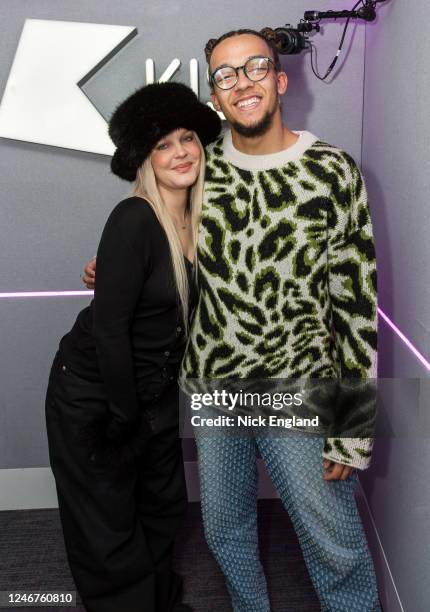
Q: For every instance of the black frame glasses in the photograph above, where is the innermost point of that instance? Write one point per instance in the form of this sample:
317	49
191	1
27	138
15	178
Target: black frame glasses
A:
258	76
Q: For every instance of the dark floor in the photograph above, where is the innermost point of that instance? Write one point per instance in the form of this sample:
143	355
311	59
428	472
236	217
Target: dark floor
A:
32	558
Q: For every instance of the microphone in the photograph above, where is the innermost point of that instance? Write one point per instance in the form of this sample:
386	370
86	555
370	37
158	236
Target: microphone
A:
316	15
367	12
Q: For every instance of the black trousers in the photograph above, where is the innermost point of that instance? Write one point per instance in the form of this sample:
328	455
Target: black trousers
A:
119	511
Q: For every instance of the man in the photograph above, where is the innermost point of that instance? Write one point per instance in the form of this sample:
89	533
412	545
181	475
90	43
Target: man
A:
288	290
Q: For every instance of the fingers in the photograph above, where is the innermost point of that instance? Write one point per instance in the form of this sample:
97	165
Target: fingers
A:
89	281
90	268
89	275
336	471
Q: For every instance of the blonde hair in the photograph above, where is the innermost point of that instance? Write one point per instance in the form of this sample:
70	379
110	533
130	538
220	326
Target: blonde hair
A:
146	187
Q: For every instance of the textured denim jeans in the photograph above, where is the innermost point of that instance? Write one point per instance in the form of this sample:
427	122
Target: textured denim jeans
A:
324	515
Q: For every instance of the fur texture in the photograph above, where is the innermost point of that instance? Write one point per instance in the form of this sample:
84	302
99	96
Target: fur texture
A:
151	113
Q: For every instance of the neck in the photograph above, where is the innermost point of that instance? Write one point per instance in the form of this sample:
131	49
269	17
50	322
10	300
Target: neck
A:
175	201
277	138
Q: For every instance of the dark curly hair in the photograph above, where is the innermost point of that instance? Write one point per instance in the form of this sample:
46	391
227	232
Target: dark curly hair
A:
267	34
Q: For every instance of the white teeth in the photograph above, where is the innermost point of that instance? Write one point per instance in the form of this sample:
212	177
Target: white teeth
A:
246	103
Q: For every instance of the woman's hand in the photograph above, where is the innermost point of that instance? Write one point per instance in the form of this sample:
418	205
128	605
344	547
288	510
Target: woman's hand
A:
105	451
89	276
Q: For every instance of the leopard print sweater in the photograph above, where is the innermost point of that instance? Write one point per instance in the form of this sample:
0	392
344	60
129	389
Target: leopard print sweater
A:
287	272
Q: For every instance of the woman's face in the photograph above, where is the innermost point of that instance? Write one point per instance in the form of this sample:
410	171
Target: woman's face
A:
176	159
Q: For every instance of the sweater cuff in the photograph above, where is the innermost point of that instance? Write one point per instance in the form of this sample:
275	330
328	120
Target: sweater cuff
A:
356	452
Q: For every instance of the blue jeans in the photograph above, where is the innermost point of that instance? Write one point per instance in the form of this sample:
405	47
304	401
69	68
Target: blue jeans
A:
324	515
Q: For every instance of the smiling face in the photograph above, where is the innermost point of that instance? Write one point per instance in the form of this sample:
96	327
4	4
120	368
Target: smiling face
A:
249	106
176	160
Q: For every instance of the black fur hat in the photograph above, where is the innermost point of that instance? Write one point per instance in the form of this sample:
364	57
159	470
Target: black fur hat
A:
151	113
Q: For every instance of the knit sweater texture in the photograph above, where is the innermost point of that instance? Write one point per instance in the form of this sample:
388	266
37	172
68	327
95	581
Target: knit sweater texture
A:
287	272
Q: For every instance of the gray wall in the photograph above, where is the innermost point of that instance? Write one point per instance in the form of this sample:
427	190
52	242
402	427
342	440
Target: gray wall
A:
55	201
396	133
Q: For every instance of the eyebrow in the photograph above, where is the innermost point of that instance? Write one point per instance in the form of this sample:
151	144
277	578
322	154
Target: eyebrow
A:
230	66
222	66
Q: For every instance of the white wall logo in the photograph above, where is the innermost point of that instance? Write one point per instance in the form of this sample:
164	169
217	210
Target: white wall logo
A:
44	101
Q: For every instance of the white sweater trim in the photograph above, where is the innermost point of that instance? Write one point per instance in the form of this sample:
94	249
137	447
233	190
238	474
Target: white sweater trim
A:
270	160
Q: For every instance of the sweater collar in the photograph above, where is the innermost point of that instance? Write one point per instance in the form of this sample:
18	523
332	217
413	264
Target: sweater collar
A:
271	160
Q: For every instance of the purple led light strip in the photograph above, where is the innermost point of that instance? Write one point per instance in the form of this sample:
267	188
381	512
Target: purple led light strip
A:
408	343
30	294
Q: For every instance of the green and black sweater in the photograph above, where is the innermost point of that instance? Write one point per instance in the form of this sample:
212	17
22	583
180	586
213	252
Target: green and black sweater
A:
287	272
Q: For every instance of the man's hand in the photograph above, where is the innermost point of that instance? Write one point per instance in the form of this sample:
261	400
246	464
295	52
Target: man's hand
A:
89	276
336	471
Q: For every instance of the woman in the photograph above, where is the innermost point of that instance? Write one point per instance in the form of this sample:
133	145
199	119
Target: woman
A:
112	399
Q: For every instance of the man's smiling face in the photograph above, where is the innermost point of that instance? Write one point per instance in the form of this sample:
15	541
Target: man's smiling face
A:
249	106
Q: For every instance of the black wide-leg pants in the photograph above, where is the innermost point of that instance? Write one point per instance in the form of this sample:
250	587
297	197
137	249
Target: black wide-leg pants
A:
120	512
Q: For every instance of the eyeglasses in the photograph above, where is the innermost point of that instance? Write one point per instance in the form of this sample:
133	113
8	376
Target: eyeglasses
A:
255	69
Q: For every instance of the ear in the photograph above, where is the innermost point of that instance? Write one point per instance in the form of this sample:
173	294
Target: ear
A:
282	82
215	101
